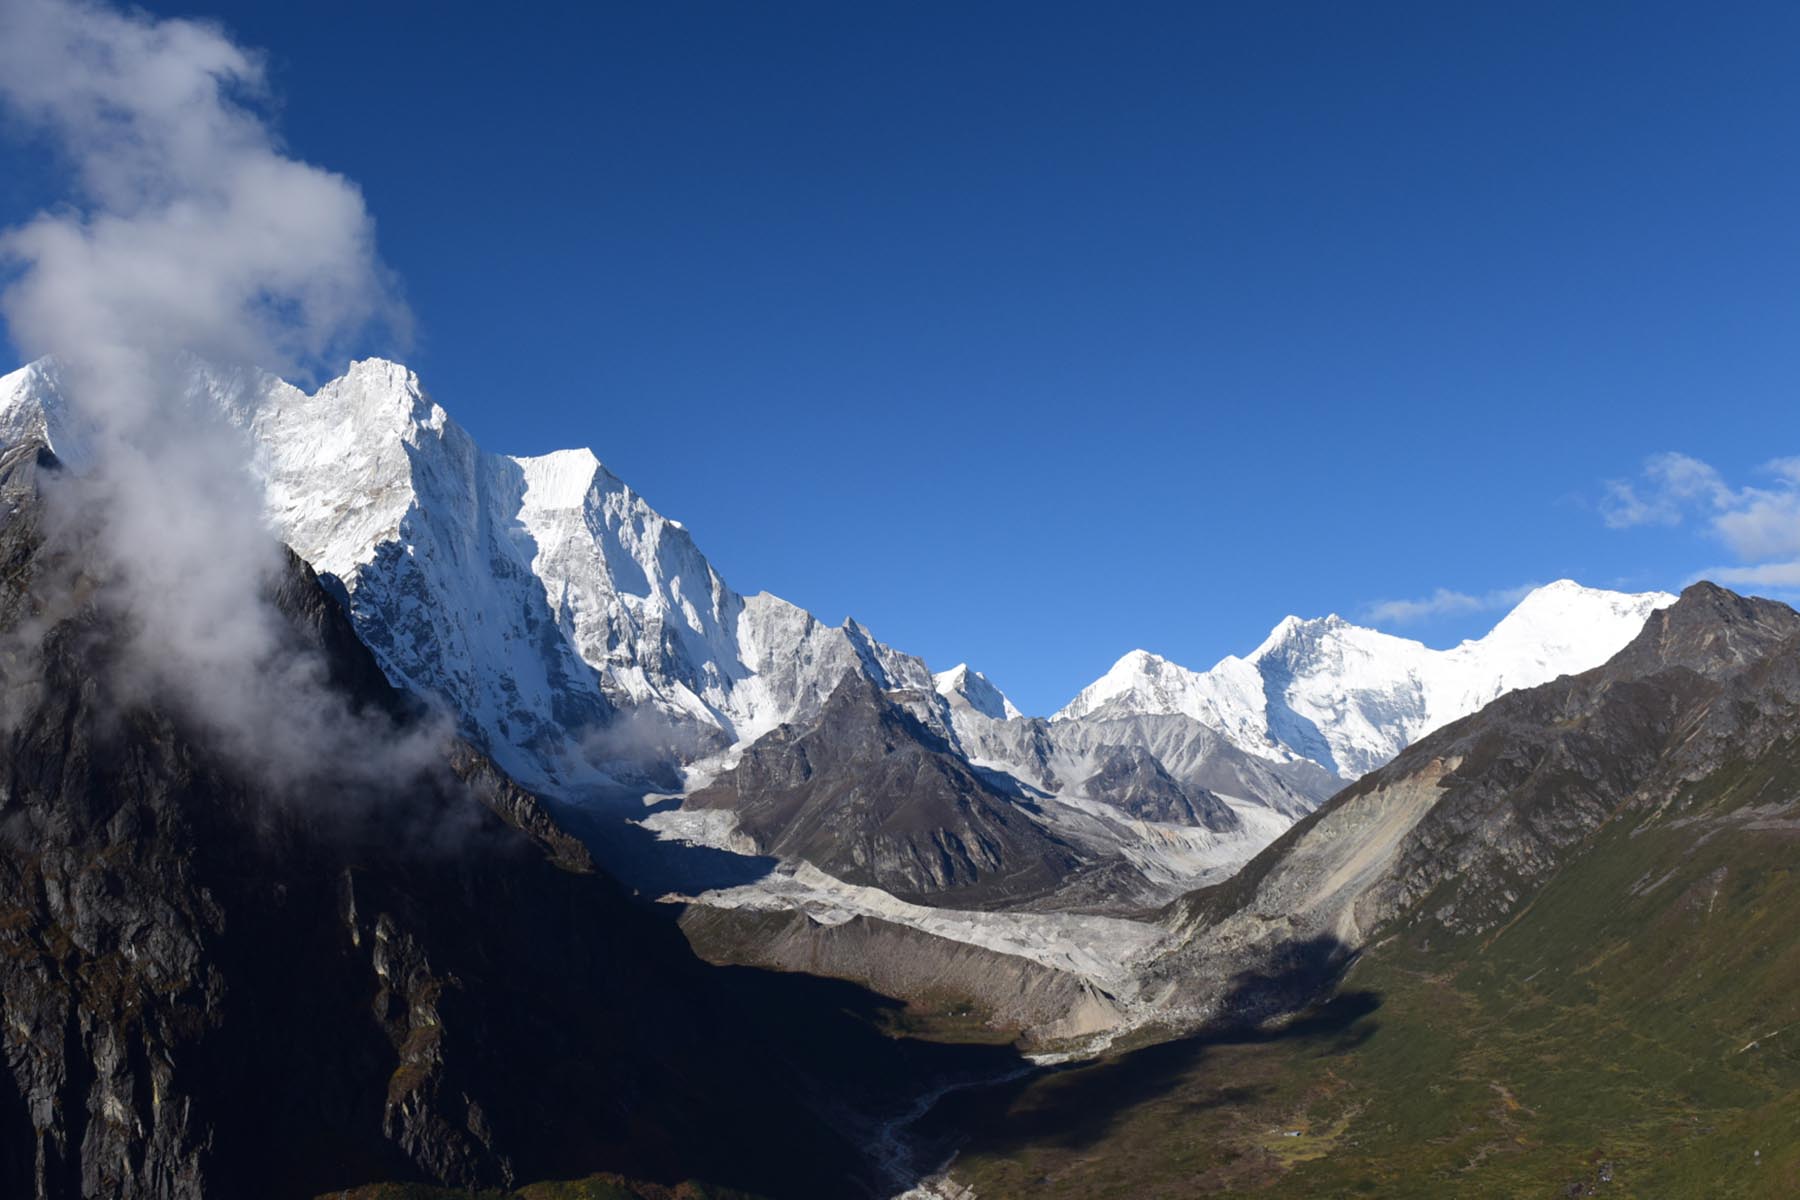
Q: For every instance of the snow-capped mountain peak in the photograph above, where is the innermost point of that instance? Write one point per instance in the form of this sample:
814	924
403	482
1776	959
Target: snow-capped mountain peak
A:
965	686
1562	615
538	597
1349	698
541	597
1139	680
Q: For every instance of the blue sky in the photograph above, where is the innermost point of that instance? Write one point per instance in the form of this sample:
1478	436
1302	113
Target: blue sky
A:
1029	334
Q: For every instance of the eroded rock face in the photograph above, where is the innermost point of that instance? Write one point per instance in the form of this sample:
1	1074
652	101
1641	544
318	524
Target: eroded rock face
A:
211	987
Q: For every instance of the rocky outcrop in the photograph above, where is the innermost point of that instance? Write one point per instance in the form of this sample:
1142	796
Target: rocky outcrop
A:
871	795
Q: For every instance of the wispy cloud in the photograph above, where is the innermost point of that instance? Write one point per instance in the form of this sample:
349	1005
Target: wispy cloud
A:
1671	485
1785	575
1758	524
1443	602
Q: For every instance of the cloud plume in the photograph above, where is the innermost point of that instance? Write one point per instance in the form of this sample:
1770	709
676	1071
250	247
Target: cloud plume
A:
189	231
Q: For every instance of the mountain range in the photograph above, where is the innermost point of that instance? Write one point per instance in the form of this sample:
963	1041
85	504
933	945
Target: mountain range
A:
541	597
584	642
1544	951
1172	850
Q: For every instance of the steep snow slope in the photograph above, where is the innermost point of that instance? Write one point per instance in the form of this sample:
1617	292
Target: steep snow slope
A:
571	625
1350	698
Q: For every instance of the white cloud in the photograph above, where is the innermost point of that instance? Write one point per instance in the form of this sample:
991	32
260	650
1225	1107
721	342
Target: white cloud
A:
1673	484
1760	525
1765	575
190	231
1444	601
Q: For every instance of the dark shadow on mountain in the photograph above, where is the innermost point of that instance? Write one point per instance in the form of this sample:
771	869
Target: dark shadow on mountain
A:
661	804
225	982
840	1034
651	866
1300	732
1080	1105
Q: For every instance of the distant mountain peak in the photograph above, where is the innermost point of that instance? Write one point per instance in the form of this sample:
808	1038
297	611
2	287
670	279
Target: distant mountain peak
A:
962	684
539	597
1349	698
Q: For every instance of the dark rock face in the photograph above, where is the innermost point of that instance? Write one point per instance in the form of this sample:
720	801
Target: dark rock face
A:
1456	835
871	795
208	988
1134	779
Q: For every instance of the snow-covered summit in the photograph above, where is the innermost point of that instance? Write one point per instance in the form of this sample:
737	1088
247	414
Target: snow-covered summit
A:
1350	698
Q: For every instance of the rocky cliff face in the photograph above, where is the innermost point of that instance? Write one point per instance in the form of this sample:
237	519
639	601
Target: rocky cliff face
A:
212	986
